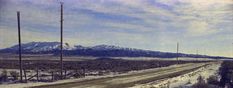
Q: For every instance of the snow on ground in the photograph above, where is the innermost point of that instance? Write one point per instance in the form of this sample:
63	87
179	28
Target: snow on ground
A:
171	59
154	74
191	78
30	84
23	85
177	81
184	80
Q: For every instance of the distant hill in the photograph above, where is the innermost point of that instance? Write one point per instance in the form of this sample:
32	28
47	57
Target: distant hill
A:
37	48
99	50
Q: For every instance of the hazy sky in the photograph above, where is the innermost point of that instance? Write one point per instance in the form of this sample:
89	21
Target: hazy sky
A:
203	25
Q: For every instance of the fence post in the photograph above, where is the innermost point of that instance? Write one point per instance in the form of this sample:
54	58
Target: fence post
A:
37	74
84	71
25	75
52	76
65	74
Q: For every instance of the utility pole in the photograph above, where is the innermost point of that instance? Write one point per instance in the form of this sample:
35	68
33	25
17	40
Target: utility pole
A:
205	52
177	51
196	54
20	52
61	45
232	50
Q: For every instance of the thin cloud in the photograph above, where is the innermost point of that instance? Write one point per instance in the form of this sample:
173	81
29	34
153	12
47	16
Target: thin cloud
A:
146	24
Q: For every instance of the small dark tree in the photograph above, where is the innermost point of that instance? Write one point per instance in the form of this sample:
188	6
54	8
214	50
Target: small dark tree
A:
213	80
200	80
200	83
56	76
3	76
14	74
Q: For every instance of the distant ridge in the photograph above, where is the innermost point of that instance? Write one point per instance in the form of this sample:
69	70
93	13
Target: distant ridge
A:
99	50
34	47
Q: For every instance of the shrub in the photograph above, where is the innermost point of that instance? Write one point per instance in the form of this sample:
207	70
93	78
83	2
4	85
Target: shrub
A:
3	76
200	83
213	80
14	74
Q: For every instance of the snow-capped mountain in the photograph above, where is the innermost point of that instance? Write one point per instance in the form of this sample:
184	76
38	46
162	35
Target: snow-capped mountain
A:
54	47
105	47
80	47
112	47
99	51
35	47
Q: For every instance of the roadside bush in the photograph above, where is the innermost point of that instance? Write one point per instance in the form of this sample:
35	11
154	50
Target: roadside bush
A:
14	74
226	73
200	83
213	80
3	76
57	76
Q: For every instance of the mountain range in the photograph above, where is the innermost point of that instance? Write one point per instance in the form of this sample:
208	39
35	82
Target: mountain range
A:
98	50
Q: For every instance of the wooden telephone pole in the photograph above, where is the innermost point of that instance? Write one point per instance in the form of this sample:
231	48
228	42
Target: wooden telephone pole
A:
177	52
232	50
197	55
20	51
61	45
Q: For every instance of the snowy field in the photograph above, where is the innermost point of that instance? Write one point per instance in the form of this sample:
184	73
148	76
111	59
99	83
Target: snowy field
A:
80	58
46	57
23	85
185	80
133	76
170	59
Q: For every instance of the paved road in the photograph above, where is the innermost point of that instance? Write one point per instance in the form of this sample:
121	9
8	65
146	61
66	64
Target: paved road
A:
130	80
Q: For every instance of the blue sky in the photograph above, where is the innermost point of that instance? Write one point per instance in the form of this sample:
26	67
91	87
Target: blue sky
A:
203	25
